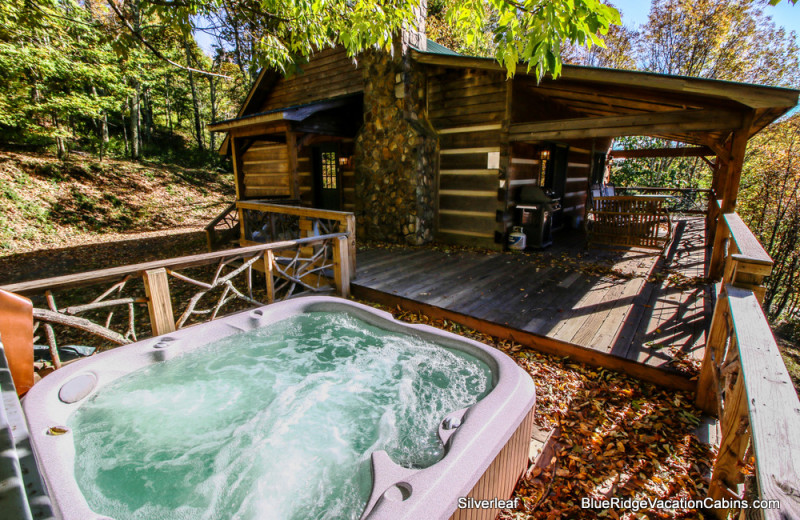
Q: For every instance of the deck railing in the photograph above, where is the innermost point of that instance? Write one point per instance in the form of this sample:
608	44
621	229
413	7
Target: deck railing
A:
102	305
691	201
225	226
744	382
265	221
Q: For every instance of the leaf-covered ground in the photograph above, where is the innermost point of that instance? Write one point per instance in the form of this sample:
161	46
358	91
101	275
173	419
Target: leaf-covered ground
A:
615	437
46	203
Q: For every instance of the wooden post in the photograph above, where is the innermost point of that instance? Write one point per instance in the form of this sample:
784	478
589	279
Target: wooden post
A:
732	174
717	189
735	438
350	227
156	286
707	398
269	259
238	174
341	266
717	262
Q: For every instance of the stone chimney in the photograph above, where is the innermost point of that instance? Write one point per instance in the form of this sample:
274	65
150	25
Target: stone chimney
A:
396	148
415	36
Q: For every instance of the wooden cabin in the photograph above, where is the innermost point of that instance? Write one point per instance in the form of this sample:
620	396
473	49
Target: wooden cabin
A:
430	145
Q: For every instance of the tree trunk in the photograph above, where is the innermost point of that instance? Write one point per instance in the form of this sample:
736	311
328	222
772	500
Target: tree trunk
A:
134	107
169	106
212	86
198	124
125	133
61	146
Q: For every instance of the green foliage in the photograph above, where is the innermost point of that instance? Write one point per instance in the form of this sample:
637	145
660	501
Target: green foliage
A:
659	172
769	202
532	31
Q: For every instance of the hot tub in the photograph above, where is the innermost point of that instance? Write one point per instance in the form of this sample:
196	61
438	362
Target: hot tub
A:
477	453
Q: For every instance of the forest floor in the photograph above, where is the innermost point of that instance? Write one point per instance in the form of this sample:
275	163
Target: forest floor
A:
46	203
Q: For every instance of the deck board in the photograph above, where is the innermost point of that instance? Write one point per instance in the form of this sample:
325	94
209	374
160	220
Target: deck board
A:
633	304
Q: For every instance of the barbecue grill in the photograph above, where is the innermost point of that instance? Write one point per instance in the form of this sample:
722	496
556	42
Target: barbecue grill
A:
536	212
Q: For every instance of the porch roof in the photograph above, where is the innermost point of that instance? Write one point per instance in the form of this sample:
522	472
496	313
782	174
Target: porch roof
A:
612	102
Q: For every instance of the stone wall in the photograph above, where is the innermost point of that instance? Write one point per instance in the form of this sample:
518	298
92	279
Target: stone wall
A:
396	153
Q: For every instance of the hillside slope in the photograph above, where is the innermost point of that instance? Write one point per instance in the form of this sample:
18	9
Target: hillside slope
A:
46	203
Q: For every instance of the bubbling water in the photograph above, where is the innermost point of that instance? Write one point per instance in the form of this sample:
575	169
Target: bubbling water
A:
276	423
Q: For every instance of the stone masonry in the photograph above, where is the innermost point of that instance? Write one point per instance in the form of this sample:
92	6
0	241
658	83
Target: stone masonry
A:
395	153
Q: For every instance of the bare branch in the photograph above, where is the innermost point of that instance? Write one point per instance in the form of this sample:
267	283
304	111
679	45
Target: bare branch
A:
155	51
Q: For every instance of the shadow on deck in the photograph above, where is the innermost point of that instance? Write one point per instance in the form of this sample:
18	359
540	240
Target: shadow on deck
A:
638	306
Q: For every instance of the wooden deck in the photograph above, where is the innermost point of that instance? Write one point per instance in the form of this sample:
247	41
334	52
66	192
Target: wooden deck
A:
646	307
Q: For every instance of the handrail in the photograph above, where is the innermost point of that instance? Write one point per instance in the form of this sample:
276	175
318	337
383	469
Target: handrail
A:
750	249
311	264
211	225
745	383
651	188
738	256
34	287
300	221
294	210
689	201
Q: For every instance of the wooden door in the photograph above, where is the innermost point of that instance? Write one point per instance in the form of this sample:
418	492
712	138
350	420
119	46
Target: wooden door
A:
327	178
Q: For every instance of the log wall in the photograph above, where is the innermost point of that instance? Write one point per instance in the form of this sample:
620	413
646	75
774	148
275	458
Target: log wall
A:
468	108
266	170
329	73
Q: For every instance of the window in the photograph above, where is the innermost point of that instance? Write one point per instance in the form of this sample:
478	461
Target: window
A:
328	165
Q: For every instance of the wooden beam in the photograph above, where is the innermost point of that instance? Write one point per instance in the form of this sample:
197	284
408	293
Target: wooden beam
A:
734	173
224	126
686	151
639	124
729	177
754	96
265	131
540	343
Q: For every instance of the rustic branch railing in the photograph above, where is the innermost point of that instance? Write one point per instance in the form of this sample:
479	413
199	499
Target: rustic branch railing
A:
264	221
690	201
225	226
744	382
290	268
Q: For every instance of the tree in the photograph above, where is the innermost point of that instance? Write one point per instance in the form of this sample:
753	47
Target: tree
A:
769	203
618	52
280	33
718	39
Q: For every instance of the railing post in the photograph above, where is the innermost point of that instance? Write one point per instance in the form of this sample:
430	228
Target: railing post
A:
159	305
341	266
707	398
269	259
735	439
350	228
718	253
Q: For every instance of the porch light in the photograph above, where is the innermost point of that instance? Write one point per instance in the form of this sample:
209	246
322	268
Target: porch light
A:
544	155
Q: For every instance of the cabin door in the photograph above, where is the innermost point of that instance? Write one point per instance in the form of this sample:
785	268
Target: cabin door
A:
327	179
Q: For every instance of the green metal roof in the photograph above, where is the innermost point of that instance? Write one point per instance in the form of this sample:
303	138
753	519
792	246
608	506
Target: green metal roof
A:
435	48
